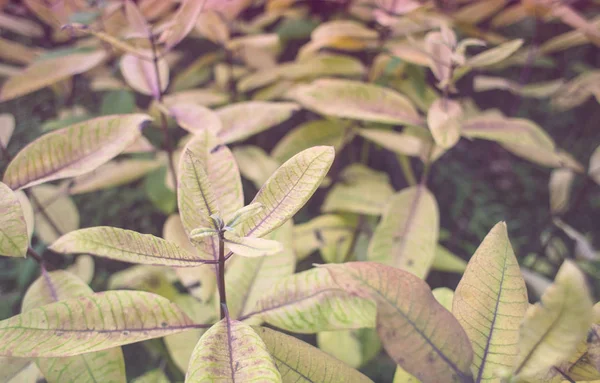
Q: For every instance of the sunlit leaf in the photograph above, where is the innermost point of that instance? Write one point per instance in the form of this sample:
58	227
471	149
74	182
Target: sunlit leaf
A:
478	11
74	150
13	227
490	303
112	174
7	127
255	164
444	296
446	261
240	215
212	26
61	210
182	22
494	55
443	119
206	97
141	75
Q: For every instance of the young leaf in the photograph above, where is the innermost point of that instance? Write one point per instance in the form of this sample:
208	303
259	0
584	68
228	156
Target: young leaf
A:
7	127
230	351
140	74
255	164
356	100
443	119
251	247
90	323
74	150
288	189
59	207
299	362
112	174
490	303
126	246
407	235
553	328
43	73
416	331
13	227
494	55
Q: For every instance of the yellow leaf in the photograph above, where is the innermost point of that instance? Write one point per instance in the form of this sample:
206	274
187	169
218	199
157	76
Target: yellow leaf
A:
401	376
14	237
577	91
444	296
212	26
75	150
196	118
141	75
353	347
205	97
401	143
490	303
478	11
416	331
446	261
255	164
20	25
322	65
553	328
59	207
324	230
494	55
112	174
443	119
560	189
15	52
83	268
182	22
299	362
407	234
227	344
43	73
510	15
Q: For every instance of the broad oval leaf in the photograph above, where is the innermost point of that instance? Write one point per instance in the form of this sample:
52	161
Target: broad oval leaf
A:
74	150
443	119
357	100
299	362
14	237
140	74
59	208
416	331
125	245
43	73
553	328
230	351
407	235
112	174
90	323
288	189
490	303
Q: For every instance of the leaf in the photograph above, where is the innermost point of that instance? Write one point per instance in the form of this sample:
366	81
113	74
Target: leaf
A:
560	184
73	151
446	261
594	167
140	74
83	268
230	351
59	207
27	212
196	118
112	174
7	127
494	55
126	246
244	119
153	279
152	376
206	97
321	231
401	376
13	370
310	302
554	327
255	164
242	214
116	318
299	362
416	331
444	296
356	100
401	143
536	90
182	23
13	227
443	119
343	345
583	247
490	303
43	73
158	192
407	234
440	52
251	247
117	102
136	19
288	189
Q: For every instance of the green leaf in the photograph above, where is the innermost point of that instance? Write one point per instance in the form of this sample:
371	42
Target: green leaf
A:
356	100
117	102
125	245
251	247
73	150
495	55
444	296
230	351
13	228
157	191
446	261
299	362
416	331
490	303
90	323
353	347
324	230
152	376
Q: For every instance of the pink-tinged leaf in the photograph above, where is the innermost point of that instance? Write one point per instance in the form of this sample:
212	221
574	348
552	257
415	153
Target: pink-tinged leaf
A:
13	228
137	21
182	23
196	118
141	75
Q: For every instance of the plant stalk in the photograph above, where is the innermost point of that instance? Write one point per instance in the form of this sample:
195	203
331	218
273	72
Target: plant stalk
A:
221	276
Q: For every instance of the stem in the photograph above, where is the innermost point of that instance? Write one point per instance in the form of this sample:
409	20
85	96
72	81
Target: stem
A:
34	254
231	85
221	276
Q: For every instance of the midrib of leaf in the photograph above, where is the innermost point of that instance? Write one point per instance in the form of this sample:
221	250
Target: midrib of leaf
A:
230	346
9	238
192	161
409	219
51	286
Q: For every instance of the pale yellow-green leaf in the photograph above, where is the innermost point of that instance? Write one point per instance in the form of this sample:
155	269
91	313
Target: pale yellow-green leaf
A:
439	55
182	22
181	345
443	119
242	214
206	97
213	26
90	323
444	260
136	19
112	174
140	74
43	73
244	119
577	91
27	212
343	345
401	143
490	303
494	55
444	296
153	279
195	118
74	150
59	207
401	376
560	189
198	72
321	231
594	167
288	189
7	127
255	164
583	247
152	376
356	100
299	362
535	90
230	351
126	246
553	328
251	247
113	41
310	302
312	133
323	65
478	11
83	268
567	40
14	237
416	331
407	234
12	370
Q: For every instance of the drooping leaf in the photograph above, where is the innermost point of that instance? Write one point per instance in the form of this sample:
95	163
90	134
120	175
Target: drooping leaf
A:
112	174
140	74
125	245
288	189
90	323
299	362
444	260
74	150
231	351
13	227
255	164
7	127
407	234
490	303
495	55
59	207
43	73
356	100
443	119
553	328
416	331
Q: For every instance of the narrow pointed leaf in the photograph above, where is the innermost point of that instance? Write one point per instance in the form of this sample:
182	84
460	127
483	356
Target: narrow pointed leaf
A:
90	323
126	246
251	247
288	189
560	184
182	22
416	331
240	215
443	119
495	55
13	228
231	351
490	303
73	150
401	143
